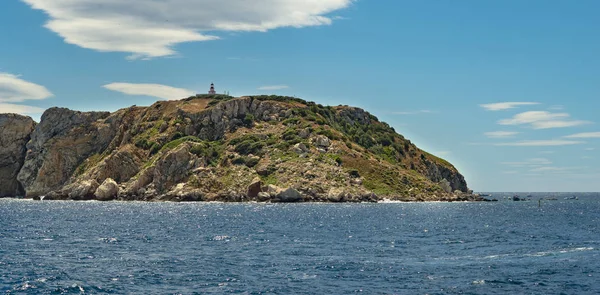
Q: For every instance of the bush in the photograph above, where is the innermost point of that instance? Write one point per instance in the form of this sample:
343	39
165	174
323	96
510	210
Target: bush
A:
248	119
176	136
155	148
249	162
248	144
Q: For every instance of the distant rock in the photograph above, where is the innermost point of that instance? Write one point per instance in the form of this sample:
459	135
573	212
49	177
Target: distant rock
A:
15	132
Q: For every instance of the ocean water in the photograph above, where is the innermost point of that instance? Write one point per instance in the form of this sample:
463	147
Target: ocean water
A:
504	247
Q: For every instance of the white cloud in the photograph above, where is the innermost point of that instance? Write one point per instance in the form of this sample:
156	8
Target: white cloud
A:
500	134
154	90
542	120
15	89
510	172
590	149
552	142
19	109
414	112
585	135
501	106
273	87
149	29
553	169
535	162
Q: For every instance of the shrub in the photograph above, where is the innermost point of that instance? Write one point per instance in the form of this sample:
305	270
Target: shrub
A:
247	144
248	119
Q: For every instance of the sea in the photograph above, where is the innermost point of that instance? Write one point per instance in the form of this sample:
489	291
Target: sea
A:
547	245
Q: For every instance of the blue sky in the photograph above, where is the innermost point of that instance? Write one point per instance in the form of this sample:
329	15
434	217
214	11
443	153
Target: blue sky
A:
508	91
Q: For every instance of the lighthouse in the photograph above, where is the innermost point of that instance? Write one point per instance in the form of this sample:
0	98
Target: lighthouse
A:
212	89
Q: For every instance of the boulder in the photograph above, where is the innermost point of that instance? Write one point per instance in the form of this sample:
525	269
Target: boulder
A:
254	189
304	133
108	190
300	148
335	195
183	193
445	185
289	195
83	190
263	196
322	141
15	132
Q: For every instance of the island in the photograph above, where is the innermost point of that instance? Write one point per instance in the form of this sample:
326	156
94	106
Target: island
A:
214	147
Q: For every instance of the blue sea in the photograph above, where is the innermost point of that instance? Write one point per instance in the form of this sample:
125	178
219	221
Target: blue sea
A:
503	247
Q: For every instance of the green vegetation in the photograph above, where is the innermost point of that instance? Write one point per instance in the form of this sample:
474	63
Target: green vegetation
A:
248	161
248	144
211	151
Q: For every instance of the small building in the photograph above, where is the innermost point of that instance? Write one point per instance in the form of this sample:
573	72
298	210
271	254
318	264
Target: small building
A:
212	89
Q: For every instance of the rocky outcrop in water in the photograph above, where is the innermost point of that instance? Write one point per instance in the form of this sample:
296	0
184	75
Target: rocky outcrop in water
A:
15	132
276	149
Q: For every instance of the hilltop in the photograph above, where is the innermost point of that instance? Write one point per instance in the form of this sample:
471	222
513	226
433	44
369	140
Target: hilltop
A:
220	148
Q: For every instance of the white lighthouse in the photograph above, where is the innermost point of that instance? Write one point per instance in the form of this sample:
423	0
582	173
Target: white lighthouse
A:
212	89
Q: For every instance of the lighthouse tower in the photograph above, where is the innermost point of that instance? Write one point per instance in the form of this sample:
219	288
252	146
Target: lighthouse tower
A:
212	89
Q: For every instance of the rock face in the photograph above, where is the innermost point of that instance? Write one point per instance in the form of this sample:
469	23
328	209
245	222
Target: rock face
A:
59	144
15	132
220	149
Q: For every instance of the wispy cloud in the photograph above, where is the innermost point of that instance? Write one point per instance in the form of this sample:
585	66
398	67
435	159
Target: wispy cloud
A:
414	112
501	134
154	90
552	142
554	169
542	120
585	135
501	106
15	89
534	162
273	87
148	29
510	172
590	149
19	109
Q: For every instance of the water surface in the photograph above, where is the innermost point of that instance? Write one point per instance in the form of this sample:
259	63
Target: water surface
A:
394	248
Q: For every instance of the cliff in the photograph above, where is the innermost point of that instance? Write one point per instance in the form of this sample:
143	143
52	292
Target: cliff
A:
220	148
15	131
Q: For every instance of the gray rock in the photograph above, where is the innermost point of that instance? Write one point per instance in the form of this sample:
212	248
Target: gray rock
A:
336	195
289	195
304	133
322	141
15	132
83	190
300	148
61	142
263	196
445	185
108	190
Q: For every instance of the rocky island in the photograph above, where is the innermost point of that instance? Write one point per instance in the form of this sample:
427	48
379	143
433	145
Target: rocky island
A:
220	148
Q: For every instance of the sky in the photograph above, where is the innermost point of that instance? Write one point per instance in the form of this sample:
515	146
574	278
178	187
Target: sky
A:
508	91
